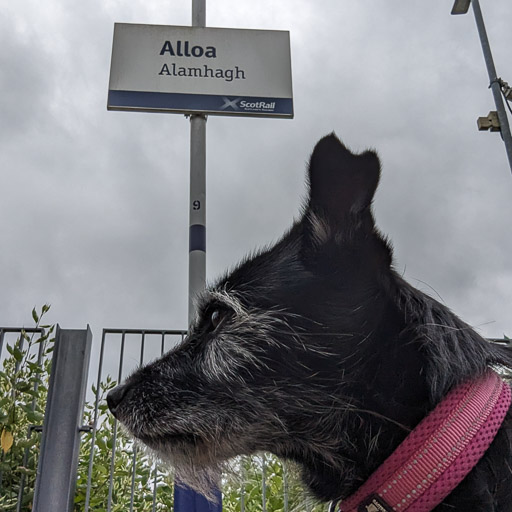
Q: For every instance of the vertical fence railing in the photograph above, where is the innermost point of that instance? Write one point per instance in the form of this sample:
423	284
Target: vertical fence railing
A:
263	483
134	460
94	425
114	434
285	487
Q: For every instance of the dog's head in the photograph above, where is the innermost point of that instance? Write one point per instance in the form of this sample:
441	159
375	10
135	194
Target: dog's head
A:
309	349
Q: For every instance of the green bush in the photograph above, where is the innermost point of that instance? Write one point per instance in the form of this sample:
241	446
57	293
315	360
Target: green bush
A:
281	482
23	388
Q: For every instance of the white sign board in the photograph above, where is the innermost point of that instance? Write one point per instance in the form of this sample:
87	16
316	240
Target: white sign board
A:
220	71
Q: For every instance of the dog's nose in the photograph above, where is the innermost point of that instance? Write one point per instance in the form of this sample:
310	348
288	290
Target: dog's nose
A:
115	397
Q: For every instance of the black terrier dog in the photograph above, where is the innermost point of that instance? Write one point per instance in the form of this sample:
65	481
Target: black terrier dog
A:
316	350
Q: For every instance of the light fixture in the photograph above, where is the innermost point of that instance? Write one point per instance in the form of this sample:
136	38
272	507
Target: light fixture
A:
460	6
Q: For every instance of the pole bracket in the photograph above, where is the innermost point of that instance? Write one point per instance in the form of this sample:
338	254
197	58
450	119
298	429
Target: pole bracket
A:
491	122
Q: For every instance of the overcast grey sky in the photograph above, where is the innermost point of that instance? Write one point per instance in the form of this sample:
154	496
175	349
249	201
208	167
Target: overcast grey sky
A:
94	204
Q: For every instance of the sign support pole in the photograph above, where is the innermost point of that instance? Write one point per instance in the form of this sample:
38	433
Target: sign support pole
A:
187	500
197	227
197	216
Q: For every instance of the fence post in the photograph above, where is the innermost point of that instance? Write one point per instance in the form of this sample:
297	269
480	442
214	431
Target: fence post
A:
60	443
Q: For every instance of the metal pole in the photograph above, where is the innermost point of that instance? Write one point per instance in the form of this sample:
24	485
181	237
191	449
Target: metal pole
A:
95	425
197	233
495	86
187	499
198	13
60	442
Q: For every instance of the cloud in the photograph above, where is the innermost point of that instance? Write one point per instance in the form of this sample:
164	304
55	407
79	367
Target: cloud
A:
94	204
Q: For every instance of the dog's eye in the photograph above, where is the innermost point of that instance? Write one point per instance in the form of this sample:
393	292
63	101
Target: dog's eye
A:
215	318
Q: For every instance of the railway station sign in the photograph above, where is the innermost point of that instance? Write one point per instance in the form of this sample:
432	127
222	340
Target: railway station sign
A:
230	72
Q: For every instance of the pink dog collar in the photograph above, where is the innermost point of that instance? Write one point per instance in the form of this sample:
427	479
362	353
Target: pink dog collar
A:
438	454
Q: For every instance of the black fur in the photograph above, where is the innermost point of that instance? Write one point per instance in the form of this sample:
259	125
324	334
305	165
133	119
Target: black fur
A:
316	350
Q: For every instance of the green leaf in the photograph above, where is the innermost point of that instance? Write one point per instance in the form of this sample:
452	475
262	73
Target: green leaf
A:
34	367
42	338
22	386
103	470
28	443
27	408
100	443
34	417
34	316
32	393
17	354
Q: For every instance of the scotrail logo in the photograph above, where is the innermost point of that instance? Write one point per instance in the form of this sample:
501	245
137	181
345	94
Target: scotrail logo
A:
230	104
248	106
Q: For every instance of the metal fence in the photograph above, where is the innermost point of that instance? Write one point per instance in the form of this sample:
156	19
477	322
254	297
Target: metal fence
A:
111	473
145	486
146	482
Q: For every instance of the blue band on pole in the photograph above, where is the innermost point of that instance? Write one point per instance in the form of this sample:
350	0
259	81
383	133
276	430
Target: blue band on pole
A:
187	500
197	238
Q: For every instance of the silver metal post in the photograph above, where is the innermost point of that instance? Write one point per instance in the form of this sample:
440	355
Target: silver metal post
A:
58	460
197	233
198	13
197	216
495	86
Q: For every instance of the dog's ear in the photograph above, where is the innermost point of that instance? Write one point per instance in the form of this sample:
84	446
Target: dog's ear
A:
341	187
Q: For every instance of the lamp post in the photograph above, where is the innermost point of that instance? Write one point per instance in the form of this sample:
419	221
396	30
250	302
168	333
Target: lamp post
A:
462	7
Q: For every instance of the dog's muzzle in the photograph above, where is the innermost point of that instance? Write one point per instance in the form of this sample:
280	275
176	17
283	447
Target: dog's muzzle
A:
116	396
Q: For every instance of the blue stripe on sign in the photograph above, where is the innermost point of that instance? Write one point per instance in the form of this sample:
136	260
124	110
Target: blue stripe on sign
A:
207	103
197	238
